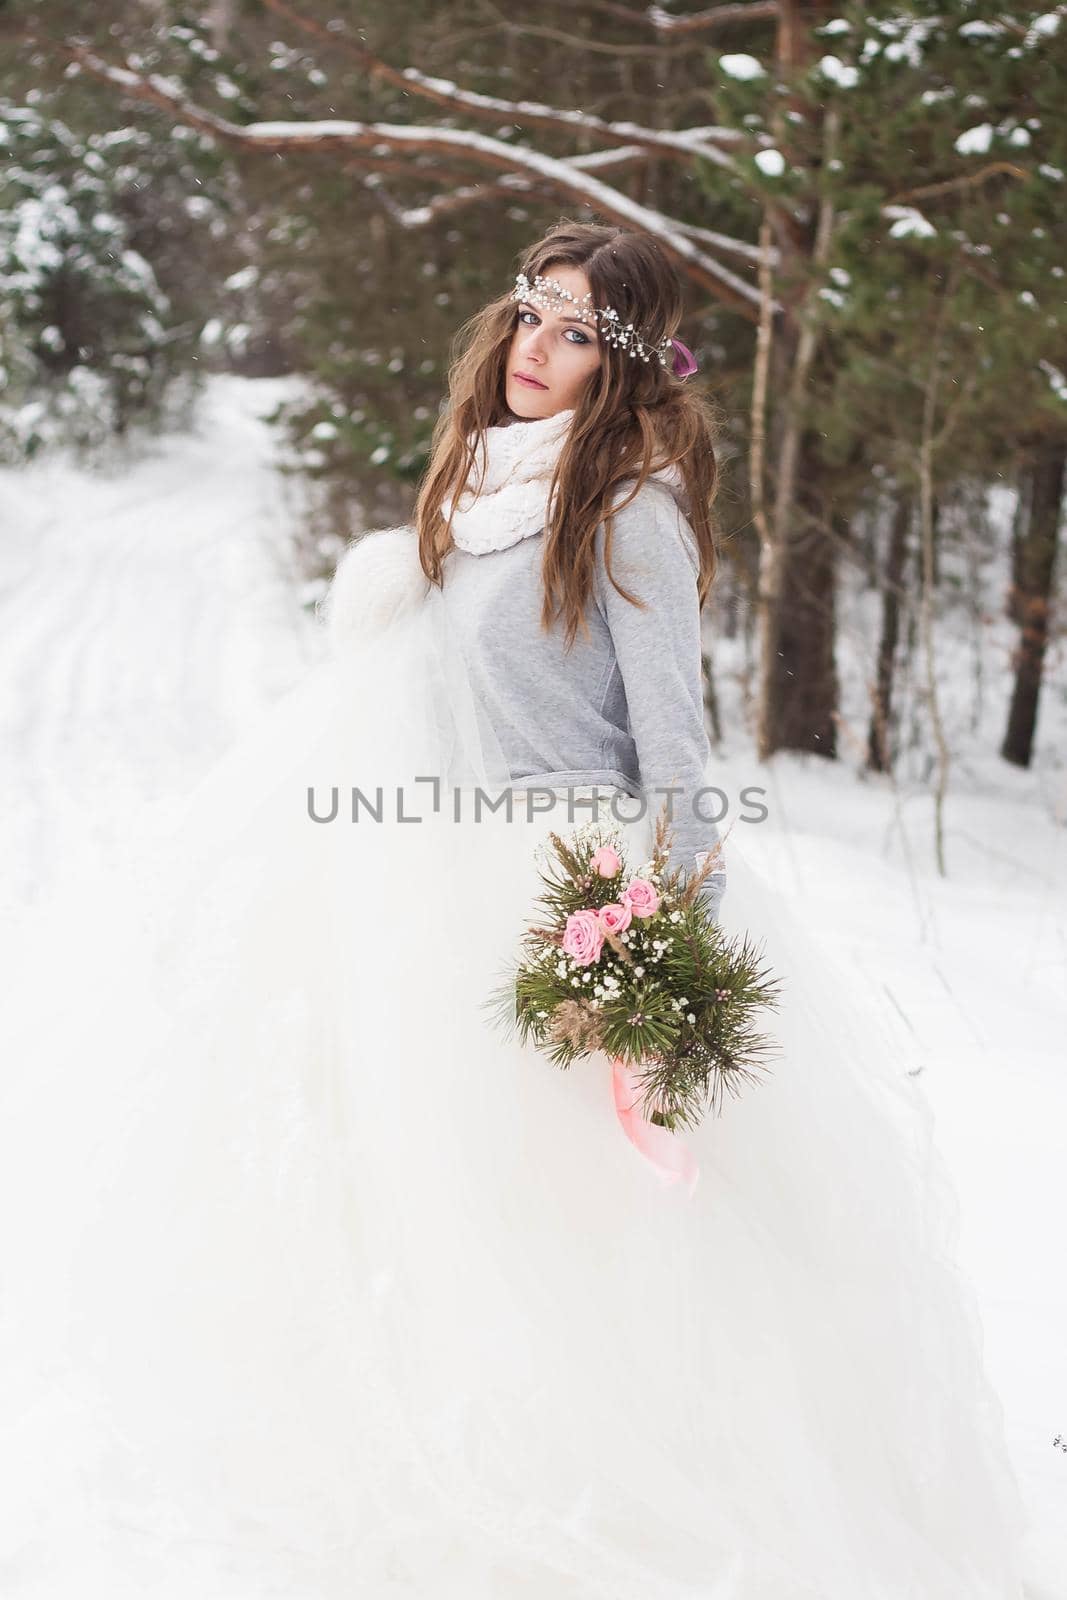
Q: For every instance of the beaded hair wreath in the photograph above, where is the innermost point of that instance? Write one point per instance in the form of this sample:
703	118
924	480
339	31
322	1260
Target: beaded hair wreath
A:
551	295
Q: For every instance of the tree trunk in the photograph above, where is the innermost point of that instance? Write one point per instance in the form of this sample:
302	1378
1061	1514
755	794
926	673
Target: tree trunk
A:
798	692
807	681
1012	605
711	698
1031	603
879	758
798	681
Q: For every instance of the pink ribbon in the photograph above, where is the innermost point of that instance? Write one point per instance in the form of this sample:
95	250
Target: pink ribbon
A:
673	1161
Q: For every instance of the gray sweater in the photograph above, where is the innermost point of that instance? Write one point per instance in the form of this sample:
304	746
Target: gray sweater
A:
624	707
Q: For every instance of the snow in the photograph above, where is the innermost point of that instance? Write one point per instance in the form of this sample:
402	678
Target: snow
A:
1057	380
909	48
149	615
244	278
1044	26
975	141
145	614
909	223
980	30
770	162
742	67
834	70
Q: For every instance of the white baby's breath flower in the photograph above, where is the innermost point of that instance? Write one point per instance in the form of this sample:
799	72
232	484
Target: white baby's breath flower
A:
690	1017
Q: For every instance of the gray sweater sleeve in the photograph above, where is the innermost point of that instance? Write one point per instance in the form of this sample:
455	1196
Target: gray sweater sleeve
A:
658	650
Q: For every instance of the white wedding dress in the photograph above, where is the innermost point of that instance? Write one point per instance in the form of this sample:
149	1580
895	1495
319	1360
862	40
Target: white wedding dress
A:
316	1284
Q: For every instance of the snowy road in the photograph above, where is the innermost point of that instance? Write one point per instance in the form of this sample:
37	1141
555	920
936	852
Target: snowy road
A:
145	618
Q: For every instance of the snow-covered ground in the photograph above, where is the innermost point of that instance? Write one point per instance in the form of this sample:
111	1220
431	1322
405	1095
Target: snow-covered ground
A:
146	617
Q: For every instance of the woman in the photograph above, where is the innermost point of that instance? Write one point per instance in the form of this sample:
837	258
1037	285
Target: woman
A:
330	1289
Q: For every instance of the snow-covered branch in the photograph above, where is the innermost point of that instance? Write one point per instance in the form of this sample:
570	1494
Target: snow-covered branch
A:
729	246
511	185
562	176
676	145
682	144
665	22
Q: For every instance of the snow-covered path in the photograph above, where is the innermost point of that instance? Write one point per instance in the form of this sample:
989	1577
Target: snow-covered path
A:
143	619
146	618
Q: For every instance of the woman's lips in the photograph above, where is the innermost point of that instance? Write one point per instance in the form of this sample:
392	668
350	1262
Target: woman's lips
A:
520	377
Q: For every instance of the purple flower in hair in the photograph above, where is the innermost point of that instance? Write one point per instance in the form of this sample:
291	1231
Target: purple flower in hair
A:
684	360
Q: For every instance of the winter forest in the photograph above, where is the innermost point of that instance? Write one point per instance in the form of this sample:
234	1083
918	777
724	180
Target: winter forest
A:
237	240
866	204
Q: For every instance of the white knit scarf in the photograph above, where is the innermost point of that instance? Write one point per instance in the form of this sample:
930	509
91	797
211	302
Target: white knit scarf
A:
511	501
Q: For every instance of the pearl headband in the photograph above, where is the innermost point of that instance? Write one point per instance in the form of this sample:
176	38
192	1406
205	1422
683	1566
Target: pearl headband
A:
551	295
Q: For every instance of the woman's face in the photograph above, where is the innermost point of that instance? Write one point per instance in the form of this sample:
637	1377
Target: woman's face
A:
555	348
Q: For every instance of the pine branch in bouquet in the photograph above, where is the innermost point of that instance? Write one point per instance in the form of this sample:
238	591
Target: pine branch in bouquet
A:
632	964
724	983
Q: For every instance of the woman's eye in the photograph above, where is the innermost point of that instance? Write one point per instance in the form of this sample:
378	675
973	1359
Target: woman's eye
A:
581	339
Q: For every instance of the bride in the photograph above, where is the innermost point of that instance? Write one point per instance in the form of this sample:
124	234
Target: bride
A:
315	1283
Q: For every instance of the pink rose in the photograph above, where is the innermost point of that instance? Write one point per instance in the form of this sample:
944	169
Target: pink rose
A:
605	861
615	918
641	897
583	938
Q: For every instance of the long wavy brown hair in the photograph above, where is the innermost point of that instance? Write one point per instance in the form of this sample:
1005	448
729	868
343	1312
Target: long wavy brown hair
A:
632	418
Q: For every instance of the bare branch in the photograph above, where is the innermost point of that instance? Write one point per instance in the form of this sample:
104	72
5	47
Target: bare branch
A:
678	146
967	180
340	136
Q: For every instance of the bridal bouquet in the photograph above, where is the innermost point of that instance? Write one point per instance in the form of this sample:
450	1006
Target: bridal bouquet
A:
631	963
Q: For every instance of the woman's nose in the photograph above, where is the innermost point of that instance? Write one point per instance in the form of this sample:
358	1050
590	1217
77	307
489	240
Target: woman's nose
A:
533	346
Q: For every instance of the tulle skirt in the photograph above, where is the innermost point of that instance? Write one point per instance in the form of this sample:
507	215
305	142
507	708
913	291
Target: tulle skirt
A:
317	1284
